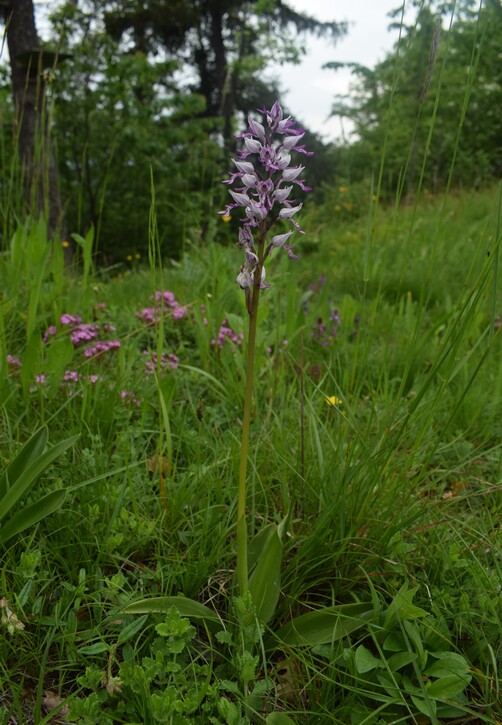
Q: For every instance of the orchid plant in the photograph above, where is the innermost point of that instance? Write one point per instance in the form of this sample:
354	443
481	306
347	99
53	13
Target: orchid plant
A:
261	187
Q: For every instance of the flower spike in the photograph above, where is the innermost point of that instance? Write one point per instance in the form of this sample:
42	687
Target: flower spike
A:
262	186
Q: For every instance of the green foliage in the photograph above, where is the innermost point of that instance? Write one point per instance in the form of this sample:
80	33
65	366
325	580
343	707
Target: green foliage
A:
120	119
20	476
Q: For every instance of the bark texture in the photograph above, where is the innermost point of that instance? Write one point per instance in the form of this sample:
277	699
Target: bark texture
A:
28	69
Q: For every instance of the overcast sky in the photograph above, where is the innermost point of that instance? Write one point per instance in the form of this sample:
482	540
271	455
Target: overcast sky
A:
310	90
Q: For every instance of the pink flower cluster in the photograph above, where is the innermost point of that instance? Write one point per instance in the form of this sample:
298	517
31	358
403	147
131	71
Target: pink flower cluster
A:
100	347
14	362
168	360
84	332
164	302
226	334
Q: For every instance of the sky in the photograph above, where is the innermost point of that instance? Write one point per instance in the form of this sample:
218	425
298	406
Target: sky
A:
311	90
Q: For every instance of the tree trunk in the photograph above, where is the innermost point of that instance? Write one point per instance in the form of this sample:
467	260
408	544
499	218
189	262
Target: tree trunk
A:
37	160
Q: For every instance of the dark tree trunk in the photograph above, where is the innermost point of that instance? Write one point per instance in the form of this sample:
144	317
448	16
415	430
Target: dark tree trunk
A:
28	62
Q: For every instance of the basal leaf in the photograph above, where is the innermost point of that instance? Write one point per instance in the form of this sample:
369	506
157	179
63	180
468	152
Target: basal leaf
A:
265	579
186	607
31	515
326	625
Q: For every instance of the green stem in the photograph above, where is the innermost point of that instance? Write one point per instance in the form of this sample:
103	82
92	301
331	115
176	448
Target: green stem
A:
242	542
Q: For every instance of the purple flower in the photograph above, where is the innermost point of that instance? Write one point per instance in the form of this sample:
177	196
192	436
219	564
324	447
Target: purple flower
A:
14	362
226	334
51	330
70	376
263	184
101	347
129	397
164	301
70	320
83	333
152	364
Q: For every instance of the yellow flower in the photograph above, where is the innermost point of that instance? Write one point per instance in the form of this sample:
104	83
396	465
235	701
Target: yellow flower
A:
338	207
129	257
65	243
333	400
137	255
343	189
226	218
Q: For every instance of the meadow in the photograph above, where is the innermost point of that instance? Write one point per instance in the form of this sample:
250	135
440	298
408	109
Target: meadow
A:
374	451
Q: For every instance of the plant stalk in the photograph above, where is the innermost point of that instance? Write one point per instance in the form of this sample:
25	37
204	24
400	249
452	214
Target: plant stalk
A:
242	541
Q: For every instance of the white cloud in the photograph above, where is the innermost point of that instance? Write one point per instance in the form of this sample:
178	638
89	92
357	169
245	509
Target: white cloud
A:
310	90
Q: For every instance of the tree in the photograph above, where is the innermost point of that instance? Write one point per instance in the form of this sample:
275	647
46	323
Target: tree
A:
227	44
30	64
433	100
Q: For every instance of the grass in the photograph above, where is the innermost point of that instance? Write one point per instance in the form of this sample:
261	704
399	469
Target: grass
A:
396	487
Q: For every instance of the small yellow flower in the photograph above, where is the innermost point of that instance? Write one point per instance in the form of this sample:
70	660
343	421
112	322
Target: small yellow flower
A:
65	244
333	400
343	189
129	257
338	207
137	255
226	218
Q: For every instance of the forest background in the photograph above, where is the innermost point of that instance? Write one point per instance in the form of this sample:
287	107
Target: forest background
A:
128	90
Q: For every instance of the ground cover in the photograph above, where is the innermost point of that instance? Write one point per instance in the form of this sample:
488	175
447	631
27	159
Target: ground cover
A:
375	438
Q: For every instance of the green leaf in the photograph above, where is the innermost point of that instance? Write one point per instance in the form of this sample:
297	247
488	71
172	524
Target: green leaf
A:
365	661
447	687
28	453
32	514
31	473
402	608
93	649
400	659
426	707
394	642
186	607
279	718
131	629
265	580
326	625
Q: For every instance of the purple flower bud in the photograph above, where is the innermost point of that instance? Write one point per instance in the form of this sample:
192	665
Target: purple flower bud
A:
245	237
283	160
245	166
291	141
280	239
292	173
244	278
241	199
281	195
249	180
252	145
288	212
256	128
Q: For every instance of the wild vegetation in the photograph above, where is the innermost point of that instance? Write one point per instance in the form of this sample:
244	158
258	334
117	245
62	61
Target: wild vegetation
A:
364	508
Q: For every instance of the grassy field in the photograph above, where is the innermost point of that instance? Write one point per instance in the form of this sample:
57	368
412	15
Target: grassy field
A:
375	448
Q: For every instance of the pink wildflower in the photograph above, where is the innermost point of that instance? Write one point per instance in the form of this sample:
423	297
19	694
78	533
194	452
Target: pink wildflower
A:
101	347
70	320
226	334
51	330
15	362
